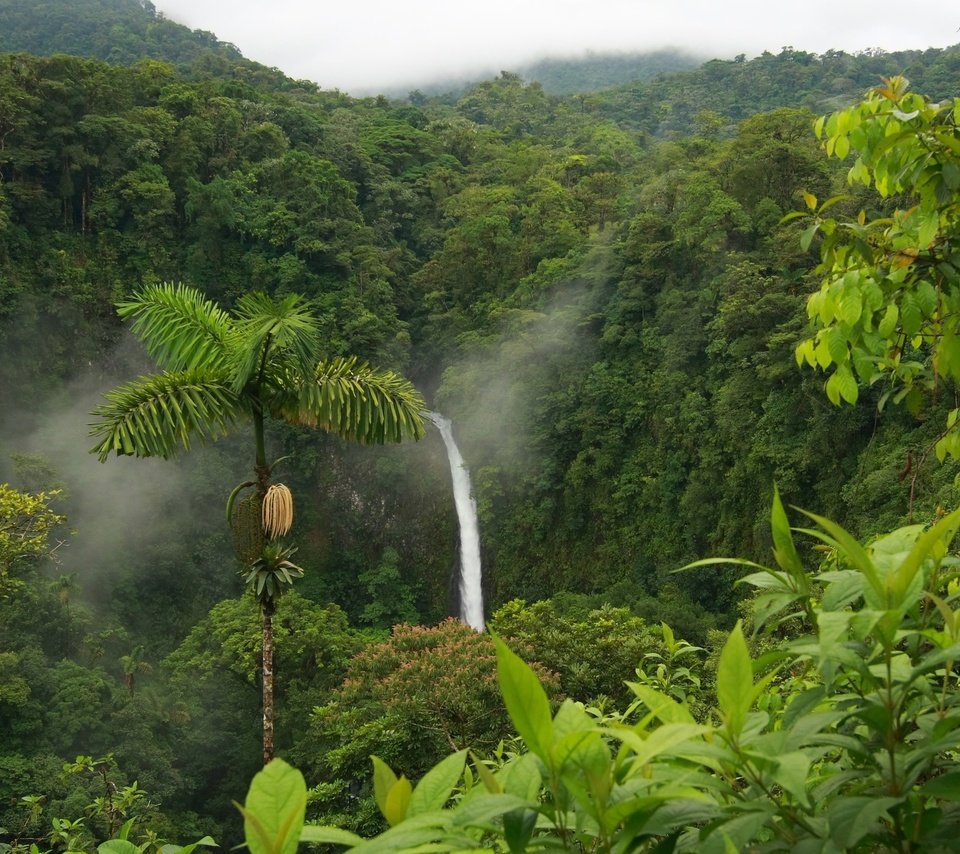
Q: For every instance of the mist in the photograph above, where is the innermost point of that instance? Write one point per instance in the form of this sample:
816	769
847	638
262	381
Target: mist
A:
375	46
497	393
119	511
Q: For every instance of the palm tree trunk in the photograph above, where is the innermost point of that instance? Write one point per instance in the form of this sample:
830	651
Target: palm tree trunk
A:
266	667
267	678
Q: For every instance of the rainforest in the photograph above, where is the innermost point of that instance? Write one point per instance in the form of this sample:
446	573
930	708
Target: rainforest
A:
697	334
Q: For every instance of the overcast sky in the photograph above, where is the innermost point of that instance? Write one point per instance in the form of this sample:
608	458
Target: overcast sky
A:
361	46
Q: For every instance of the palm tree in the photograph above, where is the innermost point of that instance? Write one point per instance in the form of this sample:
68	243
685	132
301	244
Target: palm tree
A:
132	665
218	370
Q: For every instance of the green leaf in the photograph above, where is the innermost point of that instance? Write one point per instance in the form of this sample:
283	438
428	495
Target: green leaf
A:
926	545
888	323
434	790
853	818
791	772
663	708
383	781
851	306
946	786
911	316
206	842
525	699
808	234
398	801
842	385
847	547
274	809
319	833
784	550
477	811
117	846
486	775
179	327
663	738
929	227
409	835
735	682
522	777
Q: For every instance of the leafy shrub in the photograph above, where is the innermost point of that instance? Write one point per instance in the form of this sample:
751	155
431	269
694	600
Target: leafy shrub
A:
842	737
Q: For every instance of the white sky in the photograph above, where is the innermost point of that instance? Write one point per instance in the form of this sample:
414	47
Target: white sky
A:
362	46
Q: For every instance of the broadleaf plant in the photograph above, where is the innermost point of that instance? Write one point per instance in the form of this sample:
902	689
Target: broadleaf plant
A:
848	744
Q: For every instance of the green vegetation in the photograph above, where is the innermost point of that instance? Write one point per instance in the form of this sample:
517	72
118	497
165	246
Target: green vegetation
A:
840	737
608	293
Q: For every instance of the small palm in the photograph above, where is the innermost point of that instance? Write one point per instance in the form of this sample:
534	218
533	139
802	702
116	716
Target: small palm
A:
273	569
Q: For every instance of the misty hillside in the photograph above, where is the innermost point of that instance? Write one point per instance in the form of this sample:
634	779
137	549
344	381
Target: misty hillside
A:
595	71
722	92
117	31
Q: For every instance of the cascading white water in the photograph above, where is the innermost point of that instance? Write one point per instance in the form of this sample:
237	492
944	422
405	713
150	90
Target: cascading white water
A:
471	589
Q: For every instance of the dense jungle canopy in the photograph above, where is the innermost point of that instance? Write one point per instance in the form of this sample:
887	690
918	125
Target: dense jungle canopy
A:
598	287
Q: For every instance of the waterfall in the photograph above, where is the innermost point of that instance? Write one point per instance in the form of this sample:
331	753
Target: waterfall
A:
471	591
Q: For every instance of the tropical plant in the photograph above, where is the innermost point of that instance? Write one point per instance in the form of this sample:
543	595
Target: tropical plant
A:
219	369
114	817
26	522
886	312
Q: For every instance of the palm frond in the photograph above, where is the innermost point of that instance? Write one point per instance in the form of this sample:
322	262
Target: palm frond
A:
353	400
154	416
284	325
180	329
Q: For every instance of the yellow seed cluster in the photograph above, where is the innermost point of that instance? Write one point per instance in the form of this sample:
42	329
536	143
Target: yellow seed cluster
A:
277	511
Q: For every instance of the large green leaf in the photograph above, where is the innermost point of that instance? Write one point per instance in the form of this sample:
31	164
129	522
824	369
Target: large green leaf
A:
784	551
853	818
434	790
274	335
155	416
735	681
660	740
525	699
351	399
383	781
664	708
329	835
274	809
180	328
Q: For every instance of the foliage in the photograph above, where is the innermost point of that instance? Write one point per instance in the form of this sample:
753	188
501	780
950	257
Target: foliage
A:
594	652
840	739
409	699
267	574
26	522
886	312
121	32
218	369
116	815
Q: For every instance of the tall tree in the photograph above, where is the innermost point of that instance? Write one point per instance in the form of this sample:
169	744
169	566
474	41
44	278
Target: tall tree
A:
220	369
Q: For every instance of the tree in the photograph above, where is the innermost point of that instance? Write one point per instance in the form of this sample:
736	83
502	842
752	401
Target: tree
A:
26	522
887	310
410	700
221	369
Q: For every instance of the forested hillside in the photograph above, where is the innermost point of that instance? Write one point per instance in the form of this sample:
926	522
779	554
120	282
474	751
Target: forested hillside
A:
118	31
599	289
